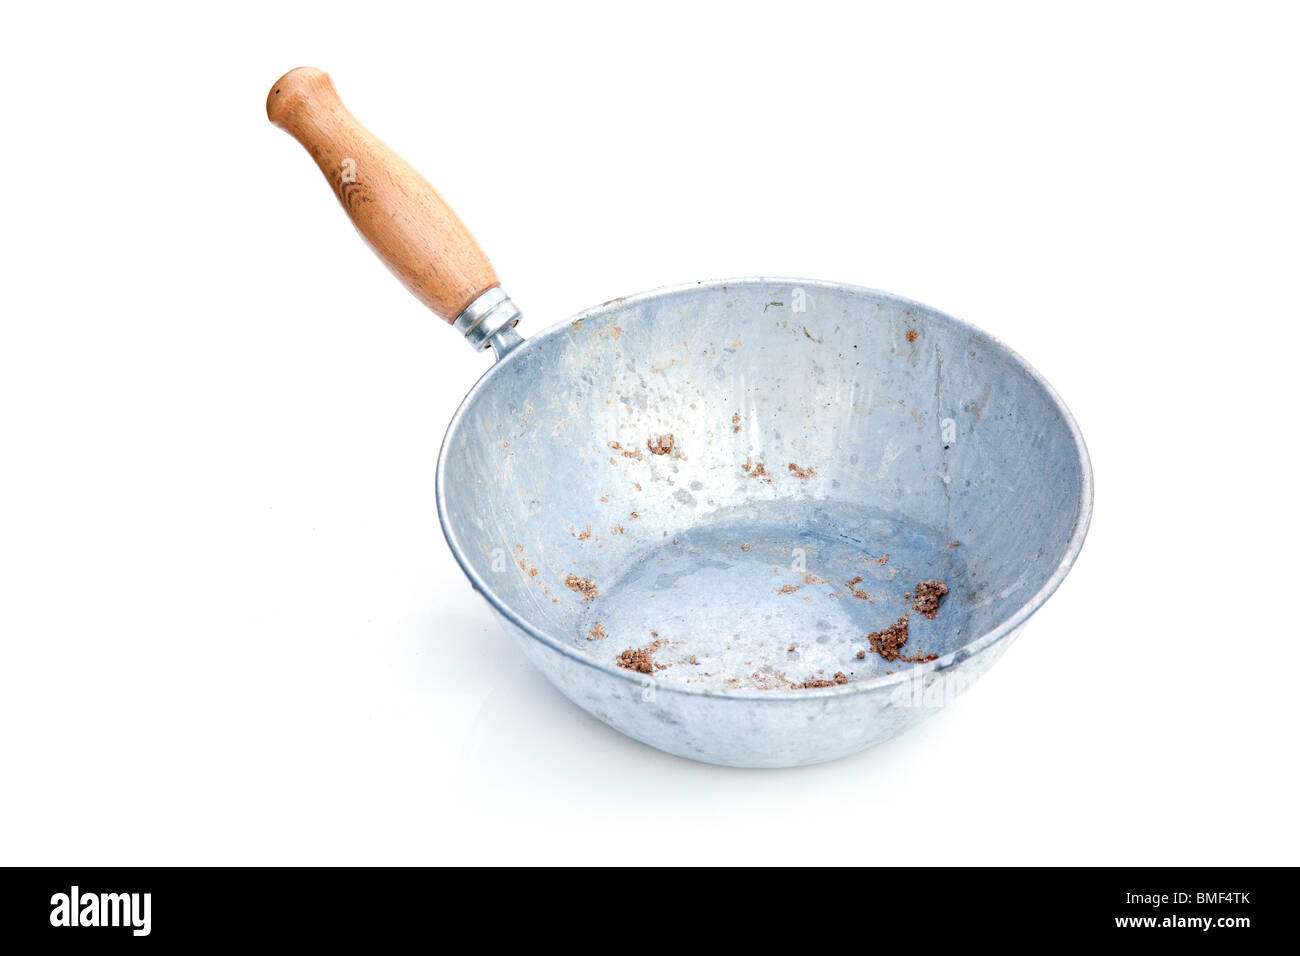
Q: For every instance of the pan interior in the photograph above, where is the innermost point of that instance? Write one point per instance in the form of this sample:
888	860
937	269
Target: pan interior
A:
739	483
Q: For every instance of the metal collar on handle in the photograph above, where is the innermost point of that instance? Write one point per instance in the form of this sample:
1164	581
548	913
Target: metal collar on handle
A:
487	315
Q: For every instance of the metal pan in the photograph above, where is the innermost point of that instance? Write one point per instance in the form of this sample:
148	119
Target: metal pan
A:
704	511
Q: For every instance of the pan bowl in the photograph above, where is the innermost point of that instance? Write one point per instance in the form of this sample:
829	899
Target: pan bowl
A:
693	508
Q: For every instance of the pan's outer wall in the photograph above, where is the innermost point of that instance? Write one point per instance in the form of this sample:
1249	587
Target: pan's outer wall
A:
786	730
898	406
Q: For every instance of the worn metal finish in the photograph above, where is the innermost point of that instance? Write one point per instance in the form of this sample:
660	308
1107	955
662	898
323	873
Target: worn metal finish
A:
896	445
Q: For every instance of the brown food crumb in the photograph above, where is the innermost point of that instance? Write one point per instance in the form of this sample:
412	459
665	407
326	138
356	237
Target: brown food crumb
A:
754	470
883	559
911	335
634	453
773	681
954	544
788	588
861	654
928	595
617	529
640	659
584	534
888	643
660	444
584	586
854	590
814	682
744	547
597	632
804	473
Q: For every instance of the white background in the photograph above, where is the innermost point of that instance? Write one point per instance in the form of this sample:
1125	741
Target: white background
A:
231	629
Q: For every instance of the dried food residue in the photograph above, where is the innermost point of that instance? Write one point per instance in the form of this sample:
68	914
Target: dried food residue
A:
759	680
660	444
804	473
888	643
755	469
911	335
584	586
530	569
597	632
788	588
928	595
633	453
854	590
735	422
812	682
641	659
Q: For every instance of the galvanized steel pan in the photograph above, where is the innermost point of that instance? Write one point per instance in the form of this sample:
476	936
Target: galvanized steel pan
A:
704	511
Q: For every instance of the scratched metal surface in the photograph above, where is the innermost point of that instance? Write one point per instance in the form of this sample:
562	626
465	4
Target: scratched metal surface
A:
831	447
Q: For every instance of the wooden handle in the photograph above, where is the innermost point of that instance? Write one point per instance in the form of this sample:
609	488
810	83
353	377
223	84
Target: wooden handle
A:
397	212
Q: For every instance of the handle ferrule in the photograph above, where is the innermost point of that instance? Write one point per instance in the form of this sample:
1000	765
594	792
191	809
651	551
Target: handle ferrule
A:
486	316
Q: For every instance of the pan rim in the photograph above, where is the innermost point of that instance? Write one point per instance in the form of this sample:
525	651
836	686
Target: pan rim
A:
953	658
